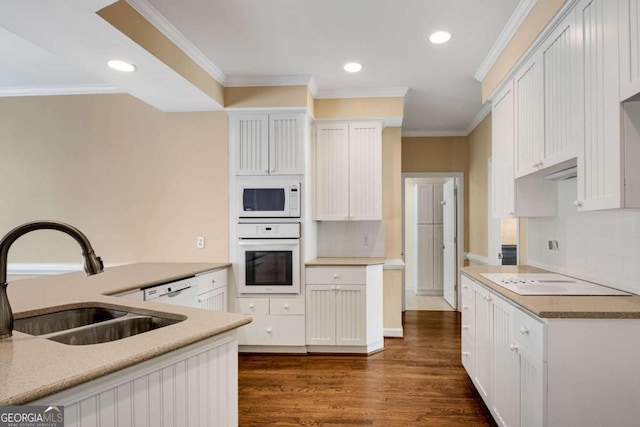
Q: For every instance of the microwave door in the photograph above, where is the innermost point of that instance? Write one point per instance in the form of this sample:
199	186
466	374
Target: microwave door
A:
264	202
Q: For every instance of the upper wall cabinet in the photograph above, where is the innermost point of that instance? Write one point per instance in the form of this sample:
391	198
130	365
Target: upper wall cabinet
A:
348	159
546	110
268	144
629	25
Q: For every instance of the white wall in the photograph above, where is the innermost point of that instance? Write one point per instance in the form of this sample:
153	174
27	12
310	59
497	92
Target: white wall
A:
601	246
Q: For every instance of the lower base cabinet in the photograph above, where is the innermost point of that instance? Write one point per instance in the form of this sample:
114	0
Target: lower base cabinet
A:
212	290
344	309
552	372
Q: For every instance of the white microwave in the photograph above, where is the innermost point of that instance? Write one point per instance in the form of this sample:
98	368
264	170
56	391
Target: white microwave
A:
269	200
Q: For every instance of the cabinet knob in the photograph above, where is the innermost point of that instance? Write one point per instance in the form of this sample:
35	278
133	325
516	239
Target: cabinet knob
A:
465	354
443	203
251	306
465	327
335	276
513	347
524	331
286	306
487	297
213	280
577	203
337	288
510	213
268	330
465	307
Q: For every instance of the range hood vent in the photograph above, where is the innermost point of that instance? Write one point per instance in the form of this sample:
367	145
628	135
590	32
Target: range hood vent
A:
568	173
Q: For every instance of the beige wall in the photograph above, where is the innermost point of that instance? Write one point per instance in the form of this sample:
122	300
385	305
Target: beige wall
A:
126	19
266	96
439	154
142	184
537	19
359	107
392	218
479	153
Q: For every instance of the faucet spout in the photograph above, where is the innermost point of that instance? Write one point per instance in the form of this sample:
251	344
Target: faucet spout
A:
92	263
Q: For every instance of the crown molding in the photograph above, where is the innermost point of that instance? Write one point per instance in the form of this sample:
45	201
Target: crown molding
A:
484	112
249	81
389	92
313	87
391	121
510	28
59	90
432	133
151	14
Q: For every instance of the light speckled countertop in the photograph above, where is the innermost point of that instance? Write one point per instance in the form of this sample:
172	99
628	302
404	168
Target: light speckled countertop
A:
554	306
345	261
33	367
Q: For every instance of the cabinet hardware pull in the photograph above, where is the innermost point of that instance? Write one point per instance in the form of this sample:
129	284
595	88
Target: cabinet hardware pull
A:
251	306
513	347
524	331
286	306
465	354
577	203
268	330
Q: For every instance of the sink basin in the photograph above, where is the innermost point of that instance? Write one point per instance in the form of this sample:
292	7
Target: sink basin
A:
112	331
66	319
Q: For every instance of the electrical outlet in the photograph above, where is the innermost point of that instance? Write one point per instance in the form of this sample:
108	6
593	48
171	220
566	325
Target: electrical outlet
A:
553	245
200	242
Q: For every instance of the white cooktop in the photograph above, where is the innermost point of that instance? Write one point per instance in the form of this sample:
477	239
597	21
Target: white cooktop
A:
548	284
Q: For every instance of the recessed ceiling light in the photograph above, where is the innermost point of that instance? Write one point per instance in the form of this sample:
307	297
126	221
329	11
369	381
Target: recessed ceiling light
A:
440	37
121	66
352	67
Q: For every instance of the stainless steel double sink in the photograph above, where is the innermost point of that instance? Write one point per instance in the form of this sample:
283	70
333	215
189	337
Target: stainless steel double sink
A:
92	325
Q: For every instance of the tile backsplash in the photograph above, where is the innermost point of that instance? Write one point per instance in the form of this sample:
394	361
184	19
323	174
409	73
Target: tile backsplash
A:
351	239
601	246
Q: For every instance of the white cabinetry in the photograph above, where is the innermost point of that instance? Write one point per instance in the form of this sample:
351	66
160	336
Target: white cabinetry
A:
629	25
212	290
529	117
348	160
268	144
429	205
278	323
553	372
344	309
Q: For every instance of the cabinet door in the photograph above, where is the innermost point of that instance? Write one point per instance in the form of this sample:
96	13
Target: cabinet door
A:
365	171
562	113
529	117
321	314
505	368
286	142
502	164
351	318
600	183
438	217
424	203
482	309
250	136
332	172
438	257
215	300
531	379
629	16
424	258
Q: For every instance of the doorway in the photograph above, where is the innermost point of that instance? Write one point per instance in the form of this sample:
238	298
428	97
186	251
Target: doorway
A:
432	224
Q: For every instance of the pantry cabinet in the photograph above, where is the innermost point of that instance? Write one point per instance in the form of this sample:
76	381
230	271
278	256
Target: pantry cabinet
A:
348	171
429	254
268	144
429	206
344	309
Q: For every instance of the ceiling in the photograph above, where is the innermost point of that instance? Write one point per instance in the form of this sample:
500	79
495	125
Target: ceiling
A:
254	40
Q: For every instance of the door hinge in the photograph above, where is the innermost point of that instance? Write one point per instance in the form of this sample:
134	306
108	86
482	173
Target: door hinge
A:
455	191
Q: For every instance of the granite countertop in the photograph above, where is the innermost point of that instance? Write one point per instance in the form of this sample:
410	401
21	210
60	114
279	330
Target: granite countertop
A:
23	375
345	261
555	306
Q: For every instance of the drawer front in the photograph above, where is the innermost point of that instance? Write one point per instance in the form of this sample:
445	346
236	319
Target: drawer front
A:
286	306
468	321
468	357
210	281
252	305
467	289
336	275
530	333
273	330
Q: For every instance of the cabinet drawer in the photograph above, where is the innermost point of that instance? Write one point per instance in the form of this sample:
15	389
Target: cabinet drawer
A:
467	356
273	330
529	333
336	275
467	290
252	305
286	306
214	280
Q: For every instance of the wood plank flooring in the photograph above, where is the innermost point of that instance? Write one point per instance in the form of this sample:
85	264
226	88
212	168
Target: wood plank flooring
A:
415	381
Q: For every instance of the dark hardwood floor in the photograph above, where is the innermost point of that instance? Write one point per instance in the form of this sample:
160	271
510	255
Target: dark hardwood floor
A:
415	381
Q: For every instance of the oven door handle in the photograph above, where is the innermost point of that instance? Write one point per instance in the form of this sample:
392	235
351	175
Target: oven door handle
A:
270	242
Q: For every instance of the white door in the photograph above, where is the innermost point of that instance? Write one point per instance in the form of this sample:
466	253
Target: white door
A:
424	259
450	271
424	203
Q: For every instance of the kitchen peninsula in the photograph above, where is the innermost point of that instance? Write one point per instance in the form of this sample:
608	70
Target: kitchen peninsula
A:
116	376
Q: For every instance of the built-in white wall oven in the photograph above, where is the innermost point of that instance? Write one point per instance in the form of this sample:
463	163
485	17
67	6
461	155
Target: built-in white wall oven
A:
269	258
274	199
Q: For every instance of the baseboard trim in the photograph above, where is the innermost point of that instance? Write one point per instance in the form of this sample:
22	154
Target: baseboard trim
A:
393	332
